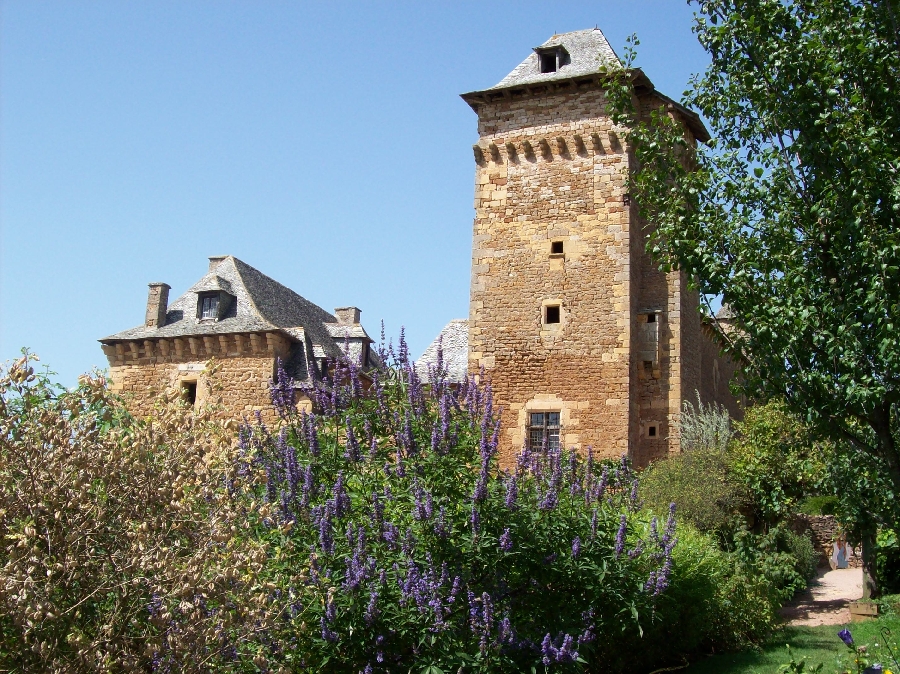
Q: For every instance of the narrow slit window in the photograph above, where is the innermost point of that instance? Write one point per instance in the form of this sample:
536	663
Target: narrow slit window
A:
543	431
556	247
189	392
552	314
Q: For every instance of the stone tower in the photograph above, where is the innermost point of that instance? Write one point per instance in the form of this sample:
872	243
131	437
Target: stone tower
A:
584	341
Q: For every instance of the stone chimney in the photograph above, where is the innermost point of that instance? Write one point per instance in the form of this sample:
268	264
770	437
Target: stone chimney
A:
157	303
215	260
347	315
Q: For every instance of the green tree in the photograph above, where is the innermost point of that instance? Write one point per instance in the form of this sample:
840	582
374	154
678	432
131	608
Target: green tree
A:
791	213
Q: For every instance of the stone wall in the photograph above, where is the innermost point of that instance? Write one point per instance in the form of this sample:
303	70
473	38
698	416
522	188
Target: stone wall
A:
243	365
552	169
823	529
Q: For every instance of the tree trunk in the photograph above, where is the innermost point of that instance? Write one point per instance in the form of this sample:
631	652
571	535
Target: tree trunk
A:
870	584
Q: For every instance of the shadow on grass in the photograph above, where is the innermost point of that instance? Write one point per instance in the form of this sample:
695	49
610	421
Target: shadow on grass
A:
817	644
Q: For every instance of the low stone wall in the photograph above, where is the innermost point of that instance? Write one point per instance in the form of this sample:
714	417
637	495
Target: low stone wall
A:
823	530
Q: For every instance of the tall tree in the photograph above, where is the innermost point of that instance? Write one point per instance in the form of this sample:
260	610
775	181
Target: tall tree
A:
792	213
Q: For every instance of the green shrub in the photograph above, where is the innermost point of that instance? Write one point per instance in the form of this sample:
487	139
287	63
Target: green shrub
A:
775	460
699	482
712	602
819	505
785	559
887	561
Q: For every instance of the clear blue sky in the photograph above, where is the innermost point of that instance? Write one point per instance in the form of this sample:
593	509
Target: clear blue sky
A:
324	143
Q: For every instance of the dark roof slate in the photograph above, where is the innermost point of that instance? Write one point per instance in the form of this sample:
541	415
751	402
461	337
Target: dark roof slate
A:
262	304
588	50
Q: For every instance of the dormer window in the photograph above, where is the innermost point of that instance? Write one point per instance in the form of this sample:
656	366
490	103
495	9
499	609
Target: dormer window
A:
548	61
209	307
551	59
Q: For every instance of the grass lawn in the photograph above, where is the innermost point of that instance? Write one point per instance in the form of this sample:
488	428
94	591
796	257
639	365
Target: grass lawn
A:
816	644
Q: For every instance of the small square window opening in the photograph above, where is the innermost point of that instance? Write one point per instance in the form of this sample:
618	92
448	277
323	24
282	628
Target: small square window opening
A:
548	62
543	431
651	318
552	314
651	431
189	392
556	247
209	307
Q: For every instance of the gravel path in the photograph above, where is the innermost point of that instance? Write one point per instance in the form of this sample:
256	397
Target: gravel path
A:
826	600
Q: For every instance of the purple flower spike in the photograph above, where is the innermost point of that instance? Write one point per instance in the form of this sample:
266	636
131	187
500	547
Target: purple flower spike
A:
846	637
620	535
506	541
576	547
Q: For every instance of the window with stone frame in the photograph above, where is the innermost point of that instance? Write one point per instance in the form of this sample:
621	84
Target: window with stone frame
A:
209	306
543	430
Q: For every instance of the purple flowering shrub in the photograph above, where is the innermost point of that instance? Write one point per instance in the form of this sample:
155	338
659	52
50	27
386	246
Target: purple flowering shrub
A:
396	541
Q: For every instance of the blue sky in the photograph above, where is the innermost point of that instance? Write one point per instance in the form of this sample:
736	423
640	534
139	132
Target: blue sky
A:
324	143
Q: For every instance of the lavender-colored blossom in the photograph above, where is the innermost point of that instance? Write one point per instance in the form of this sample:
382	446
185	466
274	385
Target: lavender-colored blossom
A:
351	449
506	543
281	390
594	525
512	491
475	519
372	608
620	535
576	547
548	651
440	524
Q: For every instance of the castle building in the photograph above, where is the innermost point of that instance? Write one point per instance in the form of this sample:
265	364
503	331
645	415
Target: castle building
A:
584	341
246	324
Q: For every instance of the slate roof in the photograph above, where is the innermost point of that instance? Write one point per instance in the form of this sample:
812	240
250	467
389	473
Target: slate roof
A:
453	341
588	50
262	304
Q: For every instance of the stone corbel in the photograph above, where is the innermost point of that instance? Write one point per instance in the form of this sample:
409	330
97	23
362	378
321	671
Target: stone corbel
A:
580	147
546	151
223	342
120	351
210	344
195	345
256	344
240	344
479	154
271	343
495	153
511	153
179	347
528	150
164	347
135	350
148	348
598	143
562	147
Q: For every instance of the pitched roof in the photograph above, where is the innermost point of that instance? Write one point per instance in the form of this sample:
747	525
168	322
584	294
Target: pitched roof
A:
262	304
587	49
453	342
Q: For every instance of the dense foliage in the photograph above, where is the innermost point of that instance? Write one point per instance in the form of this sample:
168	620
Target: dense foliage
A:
377	534
776	456
101	516
414	549
792	212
